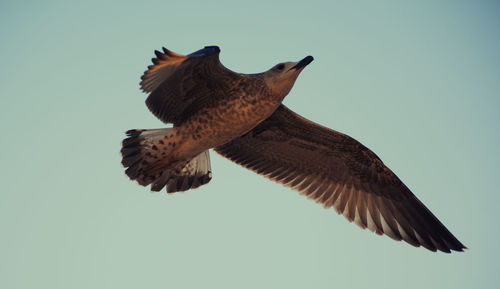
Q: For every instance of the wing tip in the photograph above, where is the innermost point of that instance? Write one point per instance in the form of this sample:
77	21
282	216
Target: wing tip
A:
151	78
206	51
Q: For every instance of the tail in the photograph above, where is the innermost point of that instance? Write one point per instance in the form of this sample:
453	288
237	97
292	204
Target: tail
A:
147	155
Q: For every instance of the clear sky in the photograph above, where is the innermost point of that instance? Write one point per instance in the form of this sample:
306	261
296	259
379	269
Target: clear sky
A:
418	83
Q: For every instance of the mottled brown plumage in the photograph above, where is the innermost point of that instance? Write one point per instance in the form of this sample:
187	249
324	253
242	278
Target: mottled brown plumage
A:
337	171
242	118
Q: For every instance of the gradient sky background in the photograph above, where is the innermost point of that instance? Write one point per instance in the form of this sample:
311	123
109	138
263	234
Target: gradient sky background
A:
418	83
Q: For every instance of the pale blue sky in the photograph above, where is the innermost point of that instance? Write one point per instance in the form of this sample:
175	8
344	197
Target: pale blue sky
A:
418	83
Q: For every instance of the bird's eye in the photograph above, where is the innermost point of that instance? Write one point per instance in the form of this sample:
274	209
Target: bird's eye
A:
280	66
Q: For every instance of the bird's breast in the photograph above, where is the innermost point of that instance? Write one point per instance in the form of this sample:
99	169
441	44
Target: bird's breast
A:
230	118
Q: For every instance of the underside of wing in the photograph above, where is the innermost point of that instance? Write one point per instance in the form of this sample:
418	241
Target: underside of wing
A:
337	171
164	65
176	81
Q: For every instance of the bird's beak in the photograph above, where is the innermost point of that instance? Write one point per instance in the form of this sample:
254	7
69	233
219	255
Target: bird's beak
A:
303	63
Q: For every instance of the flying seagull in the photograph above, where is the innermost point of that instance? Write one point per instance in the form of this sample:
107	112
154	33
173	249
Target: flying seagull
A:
242	118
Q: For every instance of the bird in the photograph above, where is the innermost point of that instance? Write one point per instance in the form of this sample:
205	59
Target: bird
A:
241	117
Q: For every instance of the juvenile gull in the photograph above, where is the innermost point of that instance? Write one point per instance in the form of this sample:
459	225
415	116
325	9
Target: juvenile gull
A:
241	117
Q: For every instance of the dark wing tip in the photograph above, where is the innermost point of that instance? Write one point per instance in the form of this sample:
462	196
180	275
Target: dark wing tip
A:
162	55
206	51
166	51
213	48
459	247
159	55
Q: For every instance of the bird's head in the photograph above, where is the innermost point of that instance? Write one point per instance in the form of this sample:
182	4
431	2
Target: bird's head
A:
282	76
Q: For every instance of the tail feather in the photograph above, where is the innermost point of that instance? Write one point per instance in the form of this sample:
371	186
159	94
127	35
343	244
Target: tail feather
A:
188	175
147	155
144	152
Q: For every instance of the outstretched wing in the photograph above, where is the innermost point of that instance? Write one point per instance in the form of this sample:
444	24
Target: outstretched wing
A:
176	81
336	170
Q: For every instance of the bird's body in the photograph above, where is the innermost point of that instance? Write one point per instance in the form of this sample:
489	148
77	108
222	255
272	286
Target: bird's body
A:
226	116
241	117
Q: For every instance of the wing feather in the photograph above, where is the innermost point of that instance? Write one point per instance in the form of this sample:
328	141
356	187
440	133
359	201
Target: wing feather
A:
180	85
337	171
164	65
